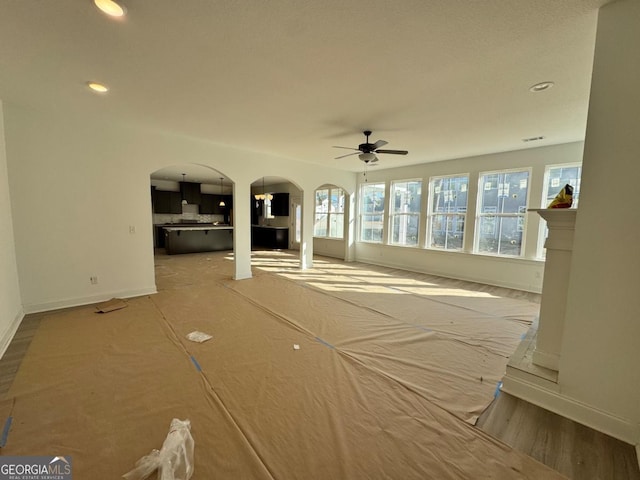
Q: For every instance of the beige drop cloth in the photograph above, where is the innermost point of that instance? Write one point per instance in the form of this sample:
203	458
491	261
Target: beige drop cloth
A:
368	395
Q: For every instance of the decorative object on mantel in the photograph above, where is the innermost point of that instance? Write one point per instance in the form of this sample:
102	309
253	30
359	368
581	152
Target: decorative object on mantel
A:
222	204
563	199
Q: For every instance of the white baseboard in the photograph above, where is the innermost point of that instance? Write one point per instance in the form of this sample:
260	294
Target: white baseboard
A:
487	281
617	427
76	302
11	330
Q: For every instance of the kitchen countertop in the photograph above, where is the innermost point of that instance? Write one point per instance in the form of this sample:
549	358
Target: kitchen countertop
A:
182	228
270	226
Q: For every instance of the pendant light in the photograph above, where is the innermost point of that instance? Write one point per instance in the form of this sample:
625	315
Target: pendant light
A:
263	195
184	200
222	204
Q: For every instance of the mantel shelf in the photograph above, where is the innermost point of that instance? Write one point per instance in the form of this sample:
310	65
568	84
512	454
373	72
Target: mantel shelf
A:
557	216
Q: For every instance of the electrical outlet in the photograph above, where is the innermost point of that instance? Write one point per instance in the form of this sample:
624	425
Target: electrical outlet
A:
93	280
132	229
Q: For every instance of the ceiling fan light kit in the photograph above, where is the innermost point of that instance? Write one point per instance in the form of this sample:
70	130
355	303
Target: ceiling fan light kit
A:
367	151
368	157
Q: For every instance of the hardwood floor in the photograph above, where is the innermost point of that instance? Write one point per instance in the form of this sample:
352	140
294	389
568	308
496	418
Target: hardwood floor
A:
10	361
572	449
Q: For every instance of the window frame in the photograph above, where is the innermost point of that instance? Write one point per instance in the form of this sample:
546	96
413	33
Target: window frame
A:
393	215
362	214
521	216
329	213
544	202
431	215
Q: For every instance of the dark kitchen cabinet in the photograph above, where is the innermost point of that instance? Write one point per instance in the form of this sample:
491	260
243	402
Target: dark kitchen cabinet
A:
167	202
207	204
191	192
210	204
280	205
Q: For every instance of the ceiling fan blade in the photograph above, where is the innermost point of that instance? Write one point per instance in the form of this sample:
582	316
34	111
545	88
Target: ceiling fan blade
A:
347	148
379	143
347	155
393	152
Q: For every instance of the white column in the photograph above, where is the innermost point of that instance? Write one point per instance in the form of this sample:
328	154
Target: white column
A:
559	245
242	231
308	216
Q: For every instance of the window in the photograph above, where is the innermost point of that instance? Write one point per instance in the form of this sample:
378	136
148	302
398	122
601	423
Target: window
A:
405	212
502	205
329	216
447	212
371	212
267	206
555	178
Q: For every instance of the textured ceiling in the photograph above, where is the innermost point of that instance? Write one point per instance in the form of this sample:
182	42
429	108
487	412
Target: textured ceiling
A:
440	78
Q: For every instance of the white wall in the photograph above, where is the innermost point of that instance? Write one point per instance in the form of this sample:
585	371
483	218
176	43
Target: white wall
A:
329	247
525	273
78	185
600	358
11	312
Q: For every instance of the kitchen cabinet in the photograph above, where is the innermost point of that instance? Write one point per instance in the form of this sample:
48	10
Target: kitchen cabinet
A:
190	191
210	204
167	202
280	205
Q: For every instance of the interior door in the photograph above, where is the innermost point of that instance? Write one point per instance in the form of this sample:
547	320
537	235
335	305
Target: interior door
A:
295	229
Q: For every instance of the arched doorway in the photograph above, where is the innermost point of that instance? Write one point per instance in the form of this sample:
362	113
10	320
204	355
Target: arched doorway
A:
192	209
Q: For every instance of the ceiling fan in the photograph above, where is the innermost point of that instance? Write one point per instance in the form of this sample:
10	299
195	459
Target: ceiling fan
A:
367	151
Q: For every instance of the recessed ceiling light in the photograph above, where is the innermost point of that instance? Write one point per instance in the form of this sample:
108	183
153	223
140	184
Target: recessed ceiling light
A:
98	87
542	86
111	8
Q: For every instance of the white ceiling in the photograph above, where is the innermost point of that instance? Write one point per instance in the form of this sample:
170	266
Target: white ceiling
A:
440	78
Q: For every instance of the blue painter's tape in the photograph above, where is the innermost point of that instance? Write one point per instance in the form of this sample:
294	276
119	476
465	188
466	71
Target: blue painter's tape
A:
497	392
5	431
195	362
324	343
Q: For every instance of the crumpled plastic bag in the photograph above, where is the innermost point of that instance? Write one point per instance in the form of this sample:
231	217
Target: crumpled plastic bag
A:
174	461
563	199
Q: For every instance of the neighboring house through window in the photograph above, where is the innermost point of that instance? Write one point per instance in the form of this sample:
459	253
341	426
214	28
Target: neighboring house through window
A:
329	213
405	212
447	212
371	212
502	206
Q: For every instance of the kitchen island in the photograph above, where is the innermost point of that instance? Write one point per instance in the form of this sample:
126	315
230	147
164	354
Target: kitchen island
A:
270	236
197	238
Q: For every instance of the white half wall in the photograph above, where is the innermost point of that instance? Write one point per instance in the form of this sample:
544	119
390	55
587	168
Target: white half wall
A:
81	201
329	247
11	312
